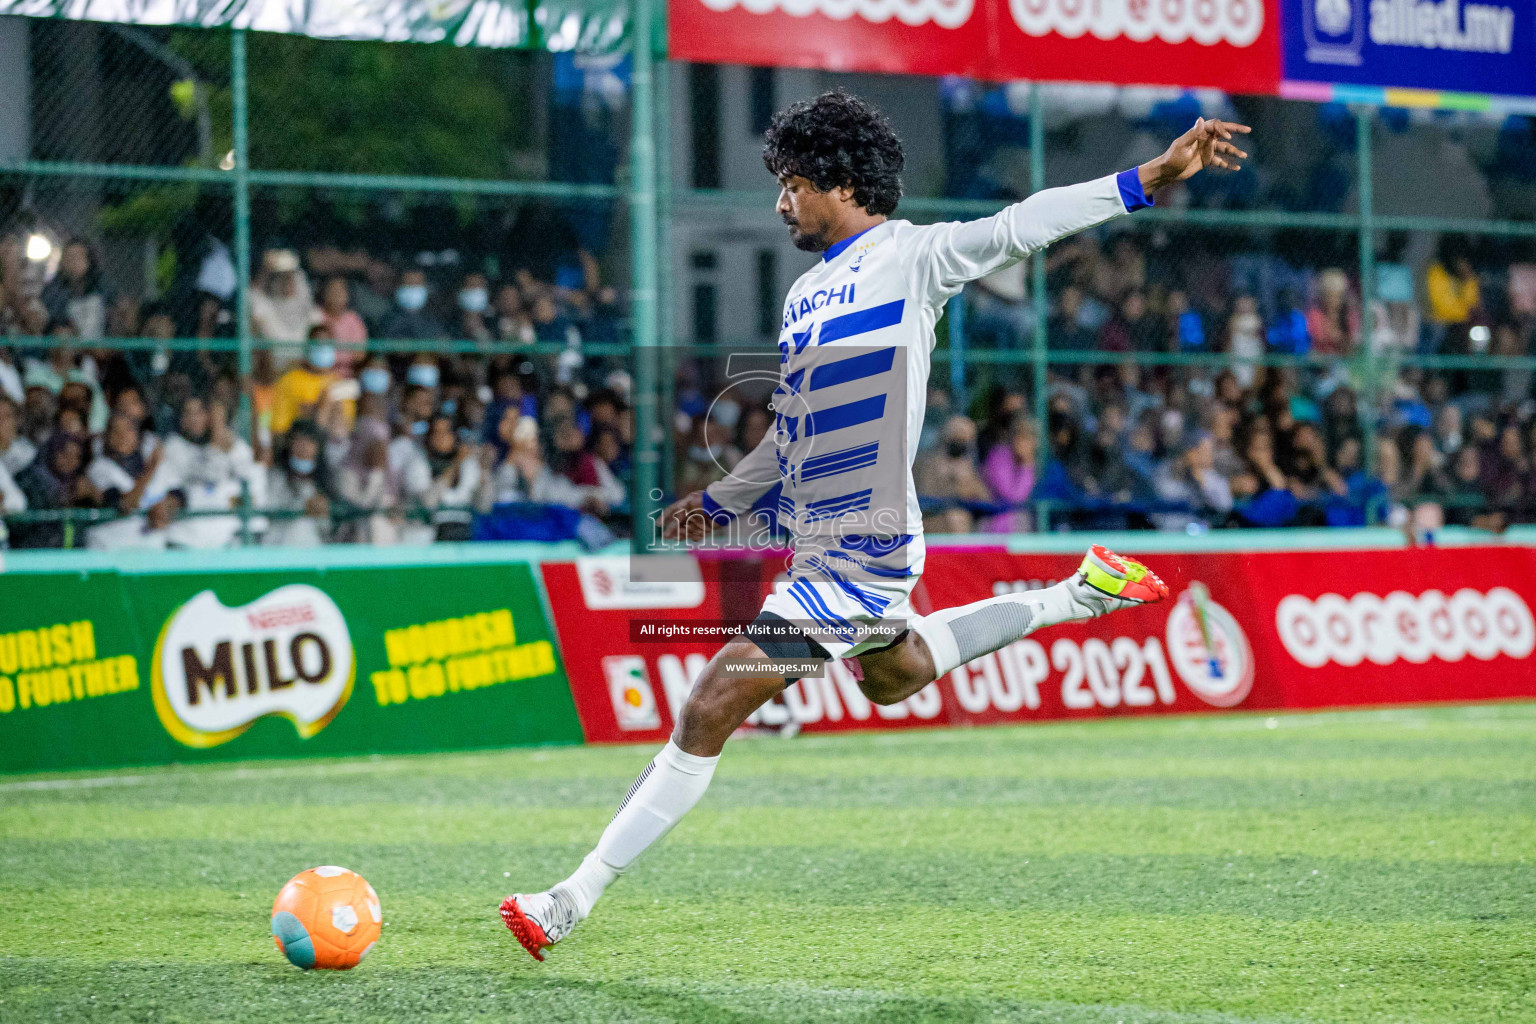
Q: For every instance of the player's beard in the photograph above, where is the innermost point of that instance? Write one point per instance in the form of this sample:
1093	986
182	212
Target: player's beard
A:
806	241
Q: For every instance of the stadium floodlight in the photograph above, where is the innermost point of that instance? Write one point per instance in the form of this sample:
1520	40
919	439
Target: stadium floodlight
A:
39	247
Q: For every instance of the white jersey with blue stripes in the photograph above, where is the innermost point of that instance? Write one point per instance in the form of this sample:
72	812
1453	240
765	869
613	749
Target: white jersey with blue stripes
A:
855	350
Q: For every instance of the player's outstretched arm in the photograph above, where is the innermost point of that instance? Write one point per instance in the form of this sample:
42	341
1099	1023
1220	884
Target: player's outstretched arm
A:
692	516
941	258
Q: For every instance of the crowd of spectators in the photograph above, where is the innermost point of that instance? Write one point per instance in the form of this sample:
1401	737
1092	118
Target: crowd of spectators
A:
346	442
352	441
1176	447
1179	450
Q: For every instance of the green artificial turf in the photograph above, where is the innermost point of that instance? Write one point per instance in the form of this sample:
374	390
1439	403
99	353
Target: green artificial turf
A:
1373	866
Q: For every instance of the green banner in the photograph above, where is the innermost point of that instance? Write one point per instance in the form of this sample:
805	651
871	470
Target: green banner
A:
105	669
588	26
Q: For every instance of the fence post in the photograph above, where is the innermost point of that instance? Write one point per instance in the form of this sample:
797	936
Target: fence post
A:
642	245
240	105
1371	367
245	513
662	90
1037	283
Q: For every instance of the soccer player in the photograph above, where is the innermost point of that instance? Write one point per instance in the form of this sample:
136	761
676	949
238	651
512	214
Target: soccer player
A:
837	467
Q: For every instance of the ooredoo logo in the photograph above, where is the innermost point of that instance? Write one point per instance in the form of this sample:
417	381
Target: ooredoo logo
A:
1208	649
1365	627
944	13
1206	22
217	670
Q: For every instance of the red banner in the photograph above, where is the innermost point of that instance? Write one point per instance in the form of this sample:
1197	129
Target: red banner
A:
1232	45
1271	630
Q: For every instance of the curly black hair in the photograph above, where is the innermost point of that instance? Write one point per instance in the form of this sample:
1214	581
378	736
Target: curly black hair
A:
834	140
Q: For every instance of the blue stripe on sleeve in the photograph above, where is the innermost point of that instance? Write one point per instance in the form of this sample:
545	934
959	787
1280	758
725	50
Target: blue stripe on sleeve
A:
715	510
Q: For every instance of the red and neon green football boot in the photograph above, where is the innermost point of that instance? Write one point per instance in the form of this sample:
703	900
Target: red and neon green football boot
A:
1108	582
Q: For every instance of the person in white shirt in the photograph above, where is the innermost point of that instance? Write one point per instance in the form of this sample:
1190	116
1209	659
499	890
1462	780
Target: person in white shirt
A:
854	353
455	475
211	469
366	483
16	452
282	304
10	377
12	499
299	482
122	474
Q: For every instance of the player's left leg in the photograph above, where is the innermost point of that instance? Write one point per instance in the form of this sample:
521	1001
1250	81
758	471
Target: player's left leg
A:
727	691
939	643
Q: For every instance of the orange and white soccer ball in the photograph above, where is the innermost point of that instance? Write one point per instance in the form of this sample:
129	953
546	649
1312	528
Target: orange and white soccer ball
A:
326	918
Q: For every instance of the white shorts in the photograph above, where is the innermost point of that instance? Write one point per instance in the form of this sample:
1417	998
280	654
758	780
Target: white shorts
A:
847	618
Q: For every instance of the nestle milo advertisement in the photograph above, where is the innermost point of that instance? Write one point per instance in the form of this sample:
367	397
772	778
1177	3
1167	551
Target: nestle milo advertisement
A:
109	669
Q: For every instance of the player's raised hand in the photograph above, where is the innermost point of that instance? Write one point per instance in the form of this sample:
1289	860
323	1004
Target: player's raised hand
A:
1207	144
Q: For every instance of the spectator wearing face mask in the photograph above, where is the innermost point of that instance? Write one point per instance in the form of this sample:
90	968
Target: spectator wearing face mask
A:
346	328
411	319
476	321
306	386
374	378
950	473
298	484
405	451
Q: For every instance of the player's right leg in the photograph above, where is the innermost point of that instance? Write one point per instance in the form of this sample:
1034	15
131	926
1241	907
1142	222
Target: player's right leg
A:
938	643
666	790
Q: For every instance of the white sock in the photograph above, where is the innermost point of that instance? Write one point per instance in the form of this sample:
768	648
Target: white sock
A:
668	788
957	635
